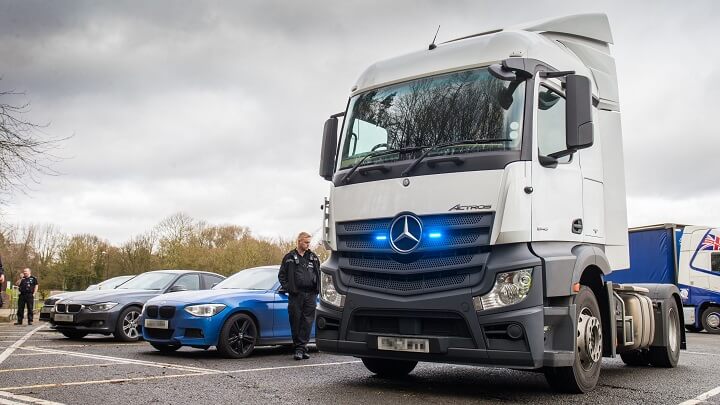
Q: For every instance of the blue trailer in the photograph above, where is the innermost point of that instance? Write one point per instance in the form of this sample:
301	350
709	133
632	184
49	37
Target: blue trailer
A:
687	256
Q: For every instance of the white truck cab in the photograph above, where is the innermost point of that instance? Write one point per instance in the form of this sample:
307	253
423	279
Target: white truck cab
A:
477	201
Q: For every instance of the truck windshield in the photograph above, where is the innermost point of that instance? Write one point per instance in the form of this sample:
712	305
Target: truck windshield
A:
465	105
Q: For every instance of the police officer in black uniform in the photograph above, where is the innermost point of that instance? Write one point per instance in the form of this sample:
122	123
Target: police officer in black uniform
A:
300	276
27	286
2	283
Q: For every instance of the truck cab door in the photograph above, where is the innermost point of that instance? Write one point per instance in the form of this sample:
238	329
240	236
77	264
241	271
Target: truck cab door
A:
557	198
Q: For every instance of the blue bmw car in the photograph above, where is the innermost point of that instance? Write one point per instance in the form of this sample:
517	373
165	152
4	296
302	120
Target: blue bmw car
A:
245	310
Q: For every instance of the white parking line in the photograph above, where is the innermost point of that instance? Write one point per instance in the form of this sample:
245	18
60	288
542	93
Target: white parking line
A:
123	360
53	367
7	352
26	399
700	353
157	377
702	397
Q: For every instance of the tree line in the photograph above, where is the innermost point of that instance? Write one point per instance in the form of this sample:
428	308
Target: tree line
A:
73	262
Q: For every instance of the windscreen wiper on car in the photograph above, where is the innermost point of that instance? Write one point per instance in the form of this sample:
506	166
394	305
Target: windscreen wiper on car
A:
352	171
429	149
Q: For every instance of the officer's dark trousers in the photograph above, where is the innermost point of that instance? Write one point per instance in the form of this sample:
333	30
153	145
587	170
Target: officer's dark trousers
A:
23	301
301	307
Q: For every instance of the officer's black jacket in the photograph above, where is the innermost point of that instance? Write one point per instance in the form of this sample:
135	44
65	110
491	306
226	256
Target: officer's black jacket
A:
27	285
300	273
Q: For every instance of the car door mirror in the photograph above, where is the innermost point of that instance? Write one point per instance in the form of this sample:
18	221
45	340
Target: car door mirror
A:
282	291
178	288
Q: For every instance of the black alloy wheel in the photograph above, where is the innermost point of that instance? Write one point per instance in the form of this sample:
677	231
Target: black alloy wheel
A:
238	337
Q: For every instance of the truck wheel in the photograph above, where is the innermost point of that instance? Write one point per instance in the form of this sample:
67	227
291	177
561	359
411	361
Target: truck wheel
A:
583	375
127	328
389	368
237	337
636	358
711	320
667	356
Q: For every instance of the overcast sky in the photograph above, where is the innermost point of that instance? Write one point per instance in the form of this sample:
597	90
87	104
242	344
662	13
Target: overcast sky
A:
215	109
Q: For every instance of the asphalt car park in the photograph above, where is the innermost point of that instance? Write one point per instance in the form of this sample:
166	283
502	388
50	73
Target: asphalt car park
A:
40	366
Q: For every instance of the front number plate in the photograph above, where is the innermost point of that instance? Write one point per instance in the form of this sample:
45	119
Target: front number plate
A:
63	318
403	344
156	323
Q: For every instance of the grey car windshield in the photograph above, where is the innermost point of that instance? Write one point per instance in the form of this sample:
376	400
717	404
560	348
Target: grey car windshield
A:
251	279
465	105
149	281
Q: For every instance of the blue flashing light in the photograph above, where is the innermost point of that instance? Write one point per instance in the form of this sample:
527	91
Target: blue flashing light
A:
381	237
435	235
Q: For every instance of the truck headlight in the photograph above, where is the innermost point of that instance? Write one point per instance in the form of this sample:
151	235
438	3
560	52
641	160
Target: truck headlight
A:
328	294
103	306
205	310
510	288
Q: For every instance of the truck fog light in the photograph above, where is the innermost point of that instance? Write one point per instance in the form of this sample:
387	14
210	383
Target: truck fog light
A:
510	288
328	294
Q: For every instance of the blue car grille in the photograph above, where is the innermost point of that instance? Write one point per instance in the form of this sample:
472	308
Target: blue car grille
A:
165	311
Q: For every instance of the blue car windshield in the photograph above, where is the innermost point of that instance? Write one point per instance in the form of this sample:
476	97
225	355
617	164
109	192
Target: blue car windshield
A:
149	281
263	278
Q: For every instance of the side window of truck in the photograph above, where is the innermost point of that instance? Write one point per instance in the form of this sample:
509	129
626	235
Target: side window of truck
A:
715	261
551	123
365	136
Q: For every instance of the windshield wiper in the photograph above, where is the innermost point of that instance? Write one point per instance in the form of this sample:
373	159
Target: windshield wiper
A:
429	149
352	171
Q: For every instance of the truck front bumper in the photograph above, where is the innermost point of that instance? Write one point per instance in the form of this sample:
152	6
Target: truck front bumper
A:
517	336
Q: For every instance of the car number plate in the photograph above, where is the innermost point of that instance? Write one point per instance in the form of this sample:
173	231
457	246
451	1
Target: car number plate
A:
63	318
403	344
46	310
156	323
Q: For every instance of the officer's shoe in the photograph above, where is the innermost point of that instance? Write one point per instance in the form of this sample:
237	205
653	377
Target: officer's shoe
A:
18	323
29	323
298	355
305	356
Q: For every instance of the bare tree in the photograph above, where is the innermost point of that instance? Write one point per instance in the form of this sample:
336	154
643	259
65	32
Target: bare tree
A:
25	151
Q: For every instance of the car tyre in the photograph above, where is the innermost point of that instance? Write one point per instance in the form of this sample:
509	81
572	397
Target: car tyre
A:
387	368
583	375
711	320
237	337
73	334
128	328
165	347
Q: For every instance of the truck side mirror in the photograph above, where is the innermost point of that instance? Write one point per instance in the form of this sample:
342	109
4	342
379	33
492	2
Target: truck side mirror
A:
329	145
578	113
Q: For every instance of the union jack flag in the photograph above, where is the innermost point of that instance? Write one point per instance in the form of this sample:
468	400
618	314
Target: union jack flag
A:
711	242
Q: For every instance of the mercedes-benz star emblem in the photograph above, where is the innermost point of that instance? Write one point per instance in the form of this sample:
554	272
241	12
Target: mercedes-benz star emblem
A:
405	233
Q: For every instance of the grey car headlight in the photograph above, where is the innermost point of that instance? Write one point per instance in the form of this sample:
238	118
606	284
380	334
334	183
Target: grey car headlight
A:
328	294
103	306
205	310
510	288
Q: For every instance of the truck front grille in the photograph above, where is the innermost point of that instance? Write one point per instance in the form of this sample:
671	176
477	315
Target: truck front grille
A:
410	323
399	283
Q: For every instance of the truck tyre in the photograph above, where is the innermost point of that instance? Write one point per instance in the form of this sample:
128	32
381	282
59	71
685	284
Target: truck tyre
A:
128	327
667	356
583	375
389	368
636	358
711	320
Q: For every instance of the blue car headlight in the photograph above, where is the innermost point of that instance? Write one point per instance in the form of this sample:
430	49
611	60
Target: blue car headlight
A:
205	310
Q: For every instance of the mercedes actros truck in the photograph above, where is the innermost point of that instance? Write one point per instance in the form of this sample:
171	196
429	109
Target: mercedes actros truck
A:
477	205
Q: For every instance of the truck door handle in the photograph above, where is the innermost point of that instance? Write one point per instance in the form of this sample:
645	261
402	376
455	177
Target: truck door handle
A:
577	226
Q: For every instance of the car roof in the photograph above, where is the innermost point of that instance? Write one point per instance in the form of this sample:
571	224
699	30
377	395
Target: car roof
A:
178	271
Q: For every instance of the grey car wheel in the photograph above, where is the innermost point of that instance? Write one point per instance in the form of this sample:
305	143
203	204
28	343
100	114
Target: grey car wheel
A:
128	326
